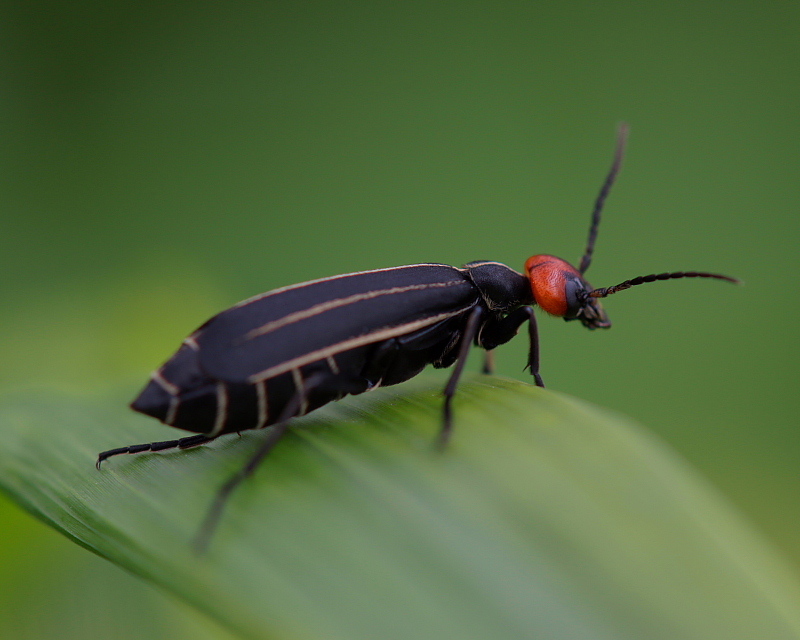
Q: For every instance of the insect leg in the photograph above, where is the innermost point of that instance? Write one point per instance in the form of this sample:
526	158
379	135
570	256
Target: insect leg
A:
488	363
533	354
470	331
500	331
274	435
182	443
380	362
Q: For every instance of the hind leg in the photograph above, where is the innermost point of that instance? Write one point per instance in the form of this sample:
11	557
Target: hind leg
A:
182	443
279	428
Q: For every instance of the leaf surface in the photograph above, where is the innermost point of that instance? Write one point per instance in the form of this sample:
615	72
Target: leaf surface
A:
545	518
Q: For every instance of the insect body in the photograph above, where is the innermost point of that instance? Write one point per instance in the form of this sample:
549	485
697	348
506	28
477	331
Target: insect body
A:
289	351
328	338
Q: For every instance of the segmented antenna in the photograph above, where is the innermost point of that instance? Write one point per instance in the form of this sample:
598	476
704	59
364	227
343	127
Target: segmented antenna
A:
622	138
607	291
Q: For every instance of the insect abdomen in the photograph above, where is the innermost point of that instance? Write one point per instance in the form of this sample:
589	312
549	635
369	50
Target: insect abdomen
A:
181	395
346	335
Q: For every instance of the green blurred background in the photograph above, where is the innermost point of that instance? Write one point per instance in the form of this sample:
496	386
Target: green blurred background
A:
162	160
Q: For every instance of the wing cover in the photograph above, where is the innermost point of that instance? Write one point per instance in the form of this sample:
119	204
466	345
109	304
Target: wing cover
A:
286	325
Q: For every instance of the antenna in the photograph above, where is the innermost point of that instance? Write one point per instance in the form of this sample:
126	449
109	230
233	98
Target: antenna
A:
673	275
622	138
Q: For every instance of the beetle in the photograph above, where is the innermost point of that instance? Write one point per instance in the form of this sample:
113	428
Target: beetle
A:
289	351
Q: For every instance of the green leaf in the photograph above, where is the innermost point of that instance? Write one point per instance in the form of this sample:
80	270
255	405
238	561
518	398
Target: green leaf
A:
545	518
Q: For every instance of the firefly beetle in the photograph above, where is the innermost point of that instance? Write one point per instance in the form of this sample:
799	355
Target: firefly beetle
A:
289	351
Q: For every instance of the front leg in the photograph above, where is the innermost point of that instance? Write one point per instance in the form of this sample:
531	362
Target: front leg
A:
501	330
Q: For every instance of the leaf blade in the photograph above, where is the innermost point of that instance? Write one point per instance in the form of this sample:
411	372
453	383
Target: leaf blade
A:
545	518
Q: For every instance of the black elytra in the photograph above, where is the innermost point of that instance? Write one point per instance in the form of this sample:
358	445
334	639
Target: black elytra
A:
289	351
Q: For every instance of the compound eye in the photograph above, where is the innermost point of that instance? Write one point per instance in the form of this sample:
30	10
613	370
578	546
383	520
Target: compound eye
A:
575	292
